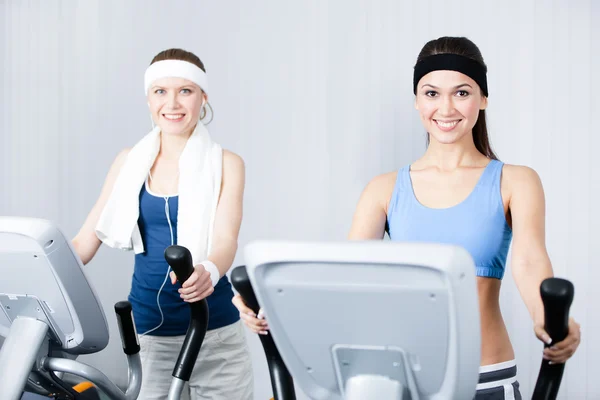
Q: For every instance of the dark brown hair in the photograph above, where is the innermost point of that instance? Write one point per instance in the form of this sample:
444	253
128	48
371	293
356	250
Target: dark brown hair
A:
178	54
183	55
463	47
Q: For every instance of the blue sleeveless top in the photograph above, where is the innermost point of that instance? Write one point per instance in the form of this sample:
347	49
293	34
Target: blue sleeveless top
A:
152	296
478	224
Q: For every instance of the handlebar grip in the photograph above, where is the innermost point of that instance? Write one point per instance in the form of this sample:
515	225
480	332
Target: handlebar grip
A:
129	337
282	382
180	260
241	282
557	296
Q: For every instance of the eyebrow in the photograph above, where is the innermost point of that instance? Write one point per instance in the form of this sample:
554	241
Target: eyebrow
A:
180	87
455	87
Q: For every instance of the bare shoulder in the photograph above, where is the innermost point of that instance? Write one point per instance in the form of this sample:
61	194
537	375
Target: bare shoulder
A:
233	161
383	182
520	175
120	158
115	167
369	217
123	153
234	171
523	187
381	187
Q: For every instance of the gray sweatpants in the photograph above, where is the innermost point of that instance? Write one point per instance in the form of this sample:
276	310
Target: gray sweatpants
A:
498	382
223	370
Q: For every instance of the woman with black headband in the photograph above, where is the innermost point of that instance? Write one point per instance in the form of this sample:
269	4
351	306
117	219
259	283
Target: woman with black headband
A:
459	193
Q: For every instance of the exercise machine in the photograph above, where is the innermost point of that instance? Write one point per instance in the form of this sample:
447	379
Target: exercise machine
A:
51	314
377	319
282	383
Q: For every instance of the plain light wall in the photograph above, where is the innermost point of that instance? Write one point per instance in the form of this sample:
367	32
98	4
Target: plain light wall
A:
317	98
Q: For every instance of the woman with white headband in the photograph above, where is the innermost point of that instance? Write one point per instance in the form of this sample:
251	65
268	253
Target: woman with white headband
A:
177	186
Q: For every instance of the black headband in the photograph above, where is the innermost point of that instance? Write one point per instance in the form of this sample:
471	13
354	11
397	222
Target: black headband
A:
453	62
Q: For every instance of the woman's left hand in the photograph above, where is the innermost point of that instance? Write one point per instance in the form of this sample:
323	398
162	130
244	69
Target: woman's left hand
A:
197	287
561	351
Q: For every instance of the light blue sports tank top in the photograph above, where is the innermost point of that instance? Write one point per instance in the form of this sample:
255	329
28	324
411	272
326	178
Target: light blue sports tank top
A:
477	224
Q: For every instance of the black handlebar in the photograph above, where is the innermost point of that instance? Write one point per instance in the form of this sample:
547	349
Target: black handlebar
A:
180	260
281	380
557	296
126	327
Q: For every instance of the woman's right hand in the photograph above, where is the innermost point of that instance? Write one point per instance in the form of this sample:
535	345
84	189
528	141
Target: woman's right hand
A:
256	323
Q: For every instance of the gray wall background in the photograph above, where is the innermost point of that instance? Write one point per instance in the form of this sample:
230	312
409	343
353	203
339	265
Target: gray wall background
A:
316	97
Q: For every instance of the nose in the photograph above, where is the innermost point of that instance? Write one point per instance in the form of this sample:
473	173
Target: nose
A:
446	106
172	100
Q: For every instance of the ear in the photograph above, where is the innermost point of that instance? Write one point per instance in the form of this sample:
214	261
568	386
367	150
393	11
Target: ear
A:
484	103
416	104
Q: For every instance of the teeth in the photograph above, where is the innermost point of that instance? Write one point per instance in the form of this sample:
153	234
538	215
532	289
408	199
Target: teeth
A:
173	116
446	124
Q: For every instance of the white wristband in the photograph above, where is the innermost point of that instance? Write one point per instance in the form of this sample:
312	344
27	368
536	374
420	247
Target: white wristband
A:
215	275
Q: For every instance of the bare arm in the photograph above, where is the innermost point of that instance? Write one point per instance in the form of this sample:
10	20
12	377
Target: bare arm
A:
530	261
228	218
371	211
86	243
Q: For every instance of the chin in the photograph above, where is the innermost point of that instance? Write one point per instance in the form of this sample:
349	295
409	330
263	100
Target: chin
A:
175	131
446	138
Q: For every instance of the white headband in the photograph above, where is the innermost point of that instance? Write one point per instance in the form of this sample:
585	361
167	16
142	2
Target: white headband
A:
175	68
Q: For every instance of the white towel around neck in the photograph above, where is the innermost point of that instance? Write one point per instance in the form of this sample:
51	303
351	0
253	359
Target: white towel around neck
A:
200	172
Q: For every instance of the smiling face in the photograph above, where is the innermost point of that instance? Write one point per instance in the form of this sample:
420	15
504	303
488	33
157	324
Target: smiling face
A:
175	105
449	103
